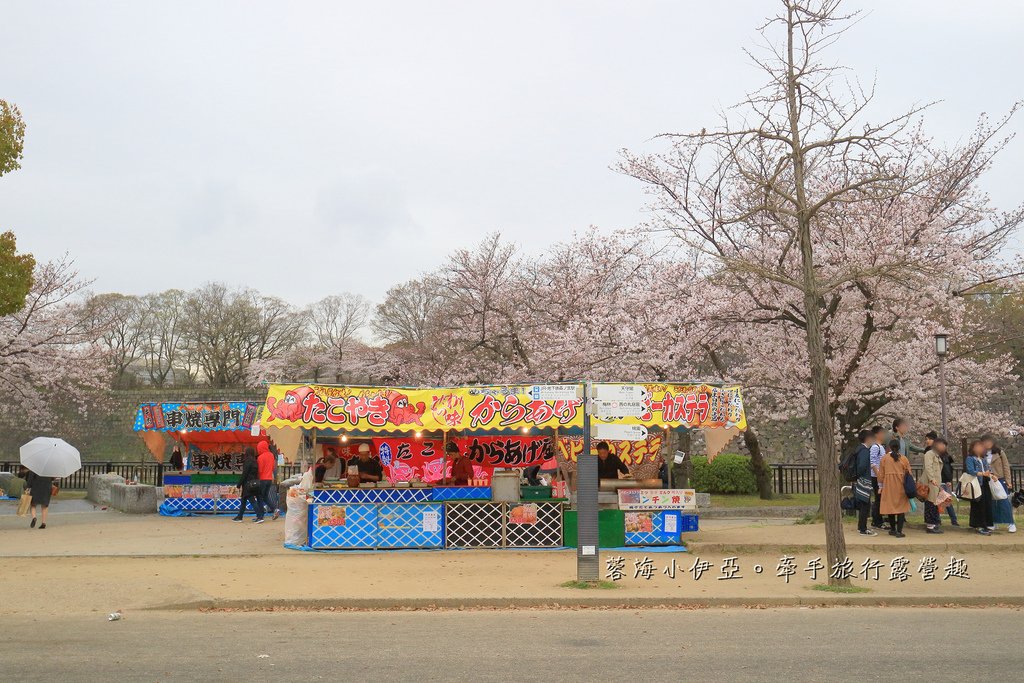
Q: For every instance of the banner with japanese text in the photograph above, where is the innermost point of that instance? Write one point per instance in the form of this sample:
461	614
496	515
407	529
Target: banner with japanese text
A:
388	409
632	453
694	406
423	459
196	417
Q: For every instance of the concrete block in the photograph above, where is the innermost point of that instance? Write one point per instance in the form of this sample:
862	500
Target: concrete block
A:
703	500
10	489
134	499
98	489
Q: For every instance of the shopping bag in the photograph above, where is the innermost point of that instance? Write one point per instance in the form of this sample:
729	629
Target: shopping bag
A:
970	487
998	492
943	500
25	504
295	520
913	504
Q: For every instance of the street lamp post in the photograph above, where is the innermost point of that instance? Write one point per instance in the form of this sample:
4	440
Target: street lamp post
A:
940	351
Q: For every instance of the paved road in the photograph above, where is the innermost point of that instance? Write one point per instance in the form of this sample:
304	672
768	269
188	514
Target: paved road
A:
708	645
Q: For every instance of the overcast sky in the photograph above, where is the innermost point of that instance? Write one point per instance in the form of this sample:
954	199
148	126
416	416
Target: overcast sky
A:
310	148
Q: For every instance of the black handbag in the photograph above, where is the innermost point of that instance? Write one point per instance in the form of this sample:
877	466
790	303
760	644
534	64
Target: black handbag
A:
909	485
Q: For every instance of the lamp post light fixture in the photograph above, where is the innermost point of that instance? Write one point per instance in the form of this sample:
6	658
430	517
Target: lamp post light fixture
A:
941	348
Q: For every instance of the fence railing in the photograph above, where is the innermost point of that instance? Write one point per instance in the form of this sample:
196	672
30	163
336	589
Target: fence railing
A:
145	473
789	479
786	479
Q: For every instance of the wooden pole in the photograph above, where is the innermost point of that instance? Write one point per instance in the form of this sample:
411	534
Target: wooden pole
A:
444	456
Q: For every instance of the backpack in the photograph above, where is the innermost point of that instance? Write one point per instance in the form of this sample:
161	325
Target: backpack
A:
848	466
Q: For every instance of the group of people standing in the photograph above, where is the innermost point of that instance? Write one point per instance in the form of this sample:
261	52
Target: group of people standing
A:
257	483
885	488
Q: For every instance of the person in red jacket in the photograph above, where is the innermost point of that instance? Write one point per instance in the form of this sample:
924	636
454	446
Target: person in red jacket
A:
265	463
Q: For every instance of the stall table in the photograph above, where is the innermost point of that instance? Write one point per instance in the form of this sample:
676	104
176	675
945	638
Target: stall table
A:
201	492
438	517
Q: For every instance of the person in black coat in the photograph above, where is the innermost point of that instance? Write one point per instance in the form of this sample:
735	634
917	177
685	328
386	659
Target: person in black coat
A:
862	488
41	489
947	479
177	462
249	486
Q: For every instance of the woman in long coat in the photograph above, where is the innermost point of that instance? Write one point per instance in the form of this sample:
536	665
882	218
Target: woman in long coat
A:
892	470
932	477
41	489
1002	510
981	506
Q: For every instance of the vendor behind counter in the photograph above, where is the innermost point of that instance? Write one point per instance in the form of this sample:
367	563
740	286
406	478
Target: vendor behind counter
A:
368	467
609	466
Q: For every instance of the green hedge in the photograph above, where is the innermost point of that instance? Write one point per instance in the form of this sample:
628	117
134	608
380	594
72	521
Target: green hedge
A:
727	473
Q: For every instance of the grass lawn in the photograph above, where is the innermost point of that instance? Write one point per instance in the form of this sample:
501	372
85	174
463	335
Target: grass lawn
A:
721	500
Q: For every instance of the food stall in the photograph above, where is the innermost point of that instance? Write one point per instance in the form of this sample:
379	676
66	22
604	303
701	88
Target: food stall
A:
212	437
637	421
501	429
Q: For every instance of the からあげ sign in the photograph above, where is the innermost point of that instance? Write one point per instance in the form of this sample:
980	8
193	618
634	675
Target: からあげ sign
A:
391	409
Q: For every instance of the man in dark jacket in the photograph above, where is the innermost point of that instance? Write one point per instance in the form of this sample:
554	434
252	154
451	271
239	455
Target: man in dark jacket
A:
862	486
249	486
947	477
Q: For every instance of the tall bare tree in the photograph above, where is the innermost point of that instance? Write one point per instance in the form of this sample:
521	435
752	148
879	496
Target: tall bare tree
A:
120	322
407	312
165	338
334	323
766	201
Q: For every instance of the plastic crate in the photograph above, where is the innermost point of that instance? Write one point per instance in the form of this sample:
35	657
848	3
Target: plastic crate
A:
535	493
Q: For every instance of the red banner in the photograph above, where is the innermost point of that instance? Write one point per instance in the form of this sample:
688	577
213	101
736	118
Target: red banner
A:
405	459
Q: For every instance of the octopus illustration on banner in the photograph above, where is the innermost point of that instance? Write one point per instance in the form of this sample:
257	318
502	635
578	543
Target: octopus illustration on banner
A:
393	409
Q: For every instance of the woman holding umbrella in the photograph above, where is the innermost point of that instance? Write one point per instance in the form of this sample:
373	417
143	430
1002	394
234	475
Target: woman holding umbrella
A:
47	459
41	489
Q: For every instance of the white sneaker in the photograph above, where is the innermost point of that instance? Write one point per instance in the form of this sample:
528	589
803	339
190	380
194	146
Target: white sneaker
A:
1012	528
992	528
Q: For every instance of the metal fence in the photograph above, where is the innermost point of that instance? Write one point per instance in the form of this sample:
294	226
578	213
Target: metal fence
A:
787	479
144	472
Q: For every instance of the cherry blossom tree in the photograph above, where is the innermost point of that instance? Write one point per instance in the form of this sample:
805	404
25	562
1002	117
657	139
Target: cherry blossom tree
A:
814	217
48	356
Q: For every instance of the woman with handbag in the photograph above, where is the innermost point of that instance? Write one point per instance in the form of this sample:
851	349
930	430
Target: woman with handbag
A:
1002	509
41	489
249	486
892	475
981	503
932	476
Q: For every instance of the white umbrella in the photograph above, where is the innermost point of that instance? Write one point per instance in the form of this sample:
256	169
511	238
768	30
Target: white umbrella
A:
49	457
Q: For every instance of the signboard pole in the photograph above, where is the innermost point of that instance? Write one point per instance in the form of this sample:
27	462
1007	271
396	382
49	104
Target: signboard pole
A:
588	562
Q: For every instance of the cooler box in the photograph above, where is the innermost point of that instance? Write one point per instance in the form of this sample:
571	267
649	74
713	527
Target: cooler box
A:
535	492
611	528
